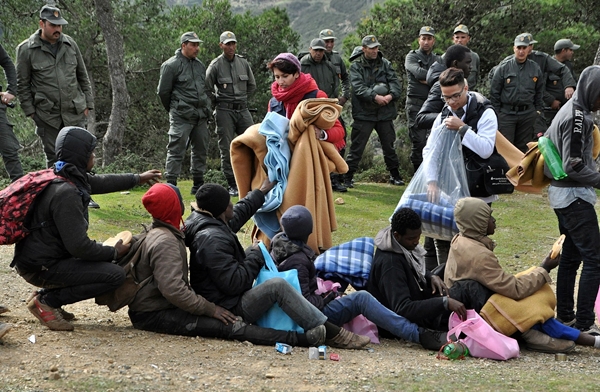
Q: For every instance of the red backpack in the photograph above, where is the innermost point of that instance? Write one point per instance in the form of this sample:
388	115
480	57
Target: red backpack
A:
16	202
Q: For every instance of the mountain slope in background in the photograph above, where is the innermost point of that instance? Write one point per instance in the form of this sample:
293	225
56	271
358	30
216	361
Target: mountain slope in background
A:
308	17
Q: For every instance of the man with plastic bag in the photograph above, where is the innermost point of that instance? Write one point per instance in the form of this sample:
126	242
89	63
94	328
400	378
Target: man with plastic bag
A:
472	117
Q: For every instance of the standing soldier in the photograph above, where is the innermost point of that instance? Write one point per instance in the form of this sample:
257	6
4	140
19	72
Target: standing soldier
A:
417	64
324	73
230	81
340	68
563	53
375	90
9	144
462	36
516	93
52	81
182	92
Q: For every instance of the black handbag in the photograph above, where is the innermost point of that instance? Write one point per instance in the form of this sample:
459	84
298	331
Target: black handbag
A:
487	177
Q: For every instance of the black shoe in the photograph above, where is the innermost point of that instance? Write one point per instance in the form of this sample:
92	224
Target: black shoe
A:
93	204
198	182
348	182
396	181
233	191
432	340
338	187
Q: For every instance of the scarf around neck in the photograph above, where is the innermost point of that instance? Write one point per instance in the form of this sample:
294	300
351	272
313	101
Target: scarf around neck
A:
292	95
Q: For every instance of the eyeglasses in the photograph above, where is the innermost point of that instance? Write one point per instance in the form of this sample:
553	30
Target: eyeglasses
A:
452	97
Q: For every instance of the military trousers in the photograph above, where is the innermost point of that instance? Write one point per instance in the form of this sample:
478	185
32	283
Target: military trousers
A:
183	133
359	136
418	137
9	148
518	127
230	123
48	136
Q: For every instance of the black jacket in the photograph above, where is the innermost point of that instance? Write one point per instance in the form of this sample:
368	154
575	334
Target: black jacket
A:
434	103
220	269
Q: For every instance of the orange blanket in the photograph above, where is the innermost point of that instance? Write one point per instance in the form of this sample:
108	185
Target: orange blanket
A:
312	161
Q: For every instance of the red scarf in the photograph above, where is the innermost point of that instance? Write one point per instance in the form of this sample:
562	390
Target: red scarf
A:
292	95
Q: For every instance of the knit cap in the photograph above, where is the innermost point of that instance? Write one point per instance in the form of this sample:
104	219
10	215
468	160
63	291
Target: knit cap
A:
297	223
212	198
290	58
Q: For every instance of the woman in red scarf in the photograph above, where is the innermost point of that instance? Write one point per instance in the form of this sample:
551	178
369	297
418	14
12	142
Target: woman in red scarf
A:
292	86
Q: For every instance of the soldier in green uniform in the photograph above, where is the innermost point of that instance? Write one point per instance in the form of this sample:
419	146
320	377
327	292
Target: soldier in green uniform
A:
328	37
9	144
417	64
52	82
375	90
516	93
230	81
183	94
462	36
563	53
325	74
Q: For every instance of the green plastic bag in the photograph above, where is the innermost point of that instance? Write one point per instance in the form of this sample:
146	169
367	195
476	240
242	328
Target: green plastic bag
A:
551	157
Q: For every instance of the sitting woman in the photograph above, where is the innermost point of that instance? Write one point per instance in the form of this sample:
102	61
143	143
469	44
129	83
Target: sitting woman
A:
472	256
291	86
290	251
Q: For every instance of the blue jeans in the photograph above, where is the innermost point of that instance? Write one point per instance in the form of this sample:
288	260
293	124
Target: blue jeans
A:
256	301
579	223
349	306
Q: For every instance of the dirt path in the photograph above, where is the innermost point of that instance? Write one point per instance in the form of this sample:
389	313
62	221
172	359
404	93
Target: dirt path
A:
105	353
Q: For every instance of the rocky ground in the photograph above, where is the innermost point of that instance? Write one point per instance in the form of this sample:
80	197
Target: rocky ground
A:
105	353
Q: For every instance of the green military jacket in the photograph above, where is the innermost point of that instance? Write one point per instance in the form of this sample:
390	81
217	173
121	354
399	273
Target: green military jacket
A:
364	75
417	64
555	86
517	87
230	81
474	74
324	73
181	88
56	88
340	69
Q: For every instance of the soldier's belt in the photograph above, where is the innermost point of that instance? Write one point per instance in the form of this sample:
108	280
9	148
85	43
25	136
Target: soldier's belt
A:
232	106
517	108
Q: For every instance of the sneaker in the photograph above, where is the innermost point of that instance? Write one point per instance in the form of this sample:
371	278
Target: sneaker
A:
316	336
50	317
4	328
567	323
396	181
233	191
66	315
539	341
592	330
93	204
432	340
348	340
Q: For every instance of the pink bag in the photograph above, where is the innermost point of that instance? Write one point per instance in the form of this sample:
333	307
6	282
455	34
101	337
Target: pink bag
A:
482	340
360	325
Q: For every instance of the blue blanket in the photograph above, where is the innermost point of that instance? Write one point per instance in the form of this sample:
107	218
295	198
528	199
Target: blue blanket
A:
277	160
350	261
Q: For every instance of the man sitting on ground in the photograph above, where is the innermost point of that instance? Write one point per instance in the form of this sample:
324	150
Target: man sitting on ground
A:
222	272
167	304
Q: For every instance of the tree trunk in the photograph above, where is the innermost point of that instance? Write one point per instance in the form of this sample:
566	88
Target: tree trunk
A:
113	139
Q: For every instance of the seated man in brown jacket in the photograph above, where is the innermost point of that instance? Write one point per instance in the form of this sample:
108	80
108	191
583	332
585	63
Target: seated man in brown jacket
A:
472	257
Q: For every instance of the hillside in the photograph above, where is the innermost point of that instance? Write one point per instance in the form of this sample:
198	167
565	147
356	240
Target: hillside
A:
308	17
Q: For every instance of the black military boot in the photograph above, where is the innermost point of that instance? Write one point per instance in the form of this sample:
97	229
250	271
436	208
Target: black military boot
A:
395	178
348	182
336	184
198	182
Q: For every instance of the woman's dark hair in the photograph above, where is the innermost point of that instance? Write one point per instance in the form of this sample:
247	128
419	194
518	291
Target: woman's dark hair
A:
404	219
287	67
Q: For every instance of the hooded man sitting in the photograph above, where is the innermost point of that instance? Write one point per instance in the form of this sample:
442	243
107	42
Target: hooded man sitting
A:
60	256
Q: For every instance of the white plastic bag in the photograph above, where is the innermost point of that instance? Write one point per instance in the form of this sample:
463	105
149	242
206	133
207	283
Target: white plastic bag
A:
443	164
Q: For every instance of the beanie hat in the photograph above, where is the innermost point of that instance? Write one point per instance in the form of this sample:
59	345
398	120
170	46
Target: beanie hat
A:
164	202
212	198
289	57
297	223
